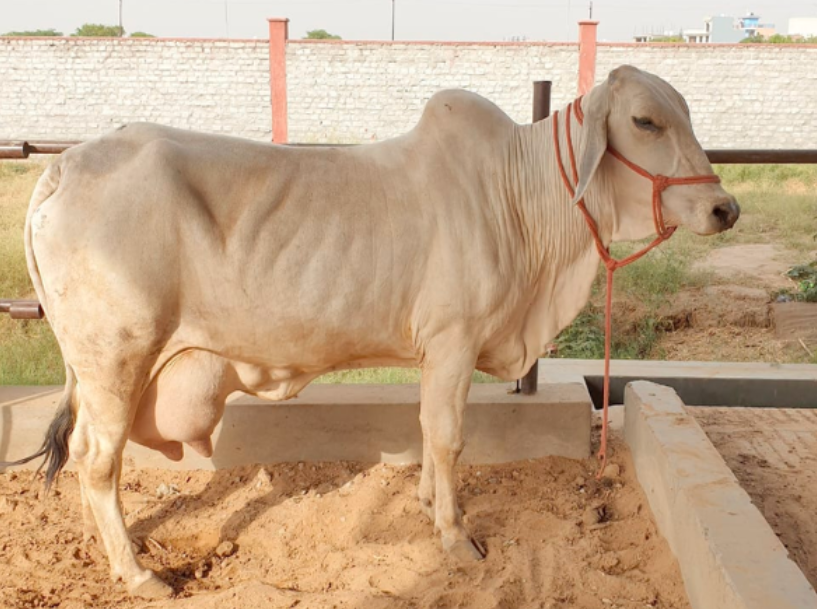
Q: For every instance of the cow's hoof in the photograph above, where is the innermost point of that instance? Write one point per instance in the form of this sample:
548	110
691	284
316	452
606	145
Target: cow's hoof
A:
466	550
89	533
153	587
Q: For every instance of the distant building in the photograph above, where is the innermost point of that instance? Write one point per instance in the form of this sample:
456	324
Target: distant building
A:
666	36
751	26
724	29
696	36
718	29
803	26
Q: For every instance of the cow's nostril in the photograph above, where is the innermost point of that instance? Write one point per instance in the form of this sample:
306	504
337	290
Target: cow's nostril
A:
727	213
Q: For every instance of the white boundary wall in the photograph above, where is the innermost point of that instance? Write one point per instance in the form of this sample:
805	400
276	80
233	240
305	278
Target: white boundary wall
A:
741	96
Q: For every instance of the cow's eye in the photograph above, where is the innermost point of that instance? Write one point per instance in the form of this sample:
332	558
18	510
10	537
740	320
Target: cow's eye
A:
642	122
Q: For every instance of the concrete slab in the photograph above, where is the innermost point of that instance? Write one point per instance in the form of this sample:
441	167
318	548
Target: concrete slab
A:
773	454
701	383
369	423
555	369
729	556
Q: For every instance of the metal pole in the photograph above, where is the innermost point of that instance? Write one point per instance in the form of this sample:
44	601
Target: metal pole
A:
11	149
121	29
392	20
740	156
226	20
22	309
541	110
541	99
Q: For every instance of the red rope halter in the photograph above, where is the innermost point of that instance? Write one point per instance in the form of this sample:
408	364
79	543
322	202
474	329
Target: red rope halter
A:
659	184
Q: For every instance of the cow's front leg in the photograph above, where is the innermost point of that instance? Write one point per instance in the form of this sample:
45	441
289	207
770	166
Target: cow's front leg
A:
445	384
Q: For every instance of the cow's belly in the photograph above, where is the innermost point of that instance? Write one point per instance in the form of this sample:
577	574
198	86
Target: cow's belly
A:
275	342
185	400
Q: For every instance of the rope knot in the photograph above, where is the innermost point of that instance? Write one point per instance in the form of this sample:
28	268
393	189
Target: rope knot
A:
660	183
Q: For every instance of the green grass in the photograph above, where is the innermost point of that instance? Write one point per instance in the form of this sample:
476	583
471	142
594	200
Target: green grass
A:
16	183
29	354
779	205
766	176
389	376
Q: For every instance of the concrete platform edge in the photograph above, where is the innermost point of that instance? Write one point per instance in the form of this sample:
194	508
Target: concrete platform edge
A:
367	423
728	555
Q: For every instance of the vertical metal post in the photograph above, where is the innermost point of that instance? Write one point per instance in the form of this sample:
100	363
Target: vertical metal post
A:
541	99
541	110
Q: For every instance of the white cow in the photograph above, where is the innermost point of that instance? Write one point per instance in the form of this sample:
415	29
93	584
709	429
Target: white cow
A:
177	267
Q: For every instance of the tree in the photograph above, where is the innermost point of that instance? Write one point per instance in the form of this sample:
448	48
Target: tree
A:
320	35
97	29
51	32
142	35
781	39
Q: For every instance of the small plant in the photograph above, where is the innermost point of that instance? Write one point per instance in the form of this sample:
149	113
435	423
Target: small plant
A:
584	338
806	277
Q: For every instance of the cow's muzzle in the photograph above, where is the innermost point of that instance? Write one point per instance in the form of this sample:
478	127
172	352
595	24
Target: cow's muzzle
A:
726	213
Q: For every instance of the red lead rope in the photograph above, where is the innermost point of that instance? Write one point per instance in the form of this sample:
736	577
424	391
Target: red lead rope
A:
664	232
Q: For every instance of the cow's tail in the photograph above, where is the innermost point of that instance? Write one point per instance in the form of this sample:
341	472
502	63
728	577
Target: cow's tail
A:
54	448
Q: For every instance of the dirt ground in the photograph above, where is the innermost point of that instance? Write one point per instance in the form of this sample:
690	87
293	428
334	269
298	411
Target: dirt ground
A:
348	536
730	319
765	263
773	453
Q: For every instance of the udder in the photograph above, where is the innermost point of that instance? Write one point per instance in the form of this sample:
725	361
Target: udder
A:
183	404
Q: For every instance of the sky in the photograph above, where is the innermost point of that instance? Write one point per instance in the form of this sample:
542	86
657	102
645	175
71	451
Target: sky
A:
456	20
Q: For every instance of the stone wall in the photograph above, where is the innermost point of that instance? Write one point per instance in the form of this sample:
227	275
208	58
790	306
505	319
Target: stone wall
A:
752	96
740	96
356	92
75	88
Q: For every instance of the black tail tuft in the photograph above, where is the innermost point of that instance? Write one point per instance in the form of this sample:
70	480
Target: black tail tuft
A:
55	444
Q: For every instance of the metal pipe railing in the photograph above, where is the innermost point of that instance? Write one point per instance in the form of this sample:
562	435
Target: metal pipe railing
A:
21	309
22	150
726	156
741	156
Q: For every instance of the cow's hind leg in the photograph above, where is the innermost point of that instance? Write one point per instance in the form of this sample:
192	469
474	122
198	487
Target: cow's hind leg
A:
425	490
99	437
90	532
446	378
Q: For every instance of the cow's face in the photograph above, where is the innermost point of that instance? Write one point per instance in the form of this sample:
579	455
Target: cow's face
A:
647	122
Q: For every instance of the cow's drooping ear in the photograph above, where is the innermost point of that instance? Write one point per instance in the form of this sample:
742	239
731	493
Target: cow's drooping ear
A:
596	106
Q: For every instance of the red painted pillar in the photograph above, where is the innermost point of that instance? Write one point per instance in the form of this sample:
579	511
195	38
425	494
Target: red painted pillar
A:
278	35
587	55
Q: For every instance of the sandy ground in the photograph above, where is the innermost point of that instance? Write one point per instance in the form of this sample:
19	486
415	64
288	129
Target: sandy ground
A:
348	536
764	263
773	453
